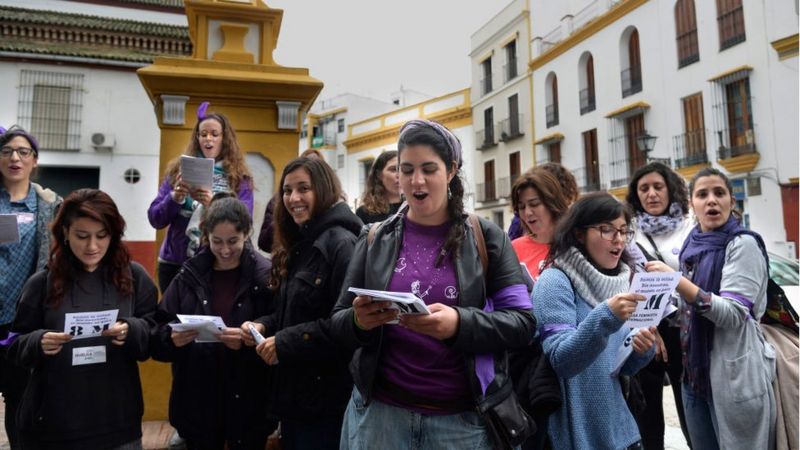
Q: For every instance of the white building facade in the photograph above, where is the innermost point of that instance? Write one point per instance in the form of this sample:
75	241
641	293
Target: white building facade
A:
69	78
715	83
370	137
501	105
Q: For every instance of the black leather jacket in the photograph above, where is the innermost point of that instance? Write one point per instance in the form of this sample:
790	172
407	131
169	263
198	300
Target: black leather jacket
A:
478	331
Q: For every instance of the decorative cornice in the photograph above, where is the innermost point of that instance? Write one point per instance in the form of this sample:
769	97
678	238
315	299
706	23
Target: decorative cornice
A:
27	31
786	47
628	108
552	137
620	192
593	27
690	171
740	164
727	73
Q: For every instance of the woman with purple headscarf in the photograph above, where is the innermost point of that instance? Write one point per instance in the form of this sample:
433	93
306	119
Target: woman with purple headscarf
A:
728	368
420	381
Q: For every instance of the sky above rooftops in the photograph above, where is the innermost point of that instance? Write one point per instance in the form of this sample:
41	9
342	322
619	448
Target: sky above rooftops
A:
373	47
366	47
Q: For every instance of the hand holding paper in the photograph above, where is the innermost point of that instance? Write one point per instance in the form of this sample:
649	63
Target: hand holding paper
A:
208	328
656	288
197	172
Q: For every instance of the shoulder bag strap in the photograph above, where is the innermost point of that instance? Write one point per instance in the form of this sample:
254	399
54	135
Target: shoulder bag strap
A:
480	242
655	247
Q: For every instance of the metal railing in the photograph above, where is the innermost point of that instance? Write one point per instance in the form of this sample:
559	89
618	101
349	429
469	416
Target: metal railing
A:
551	115
485	139
587	182
510	69
740	142
486	85
504	186
511	128
631	80
486	192
731	28
688	51
689	148
587	100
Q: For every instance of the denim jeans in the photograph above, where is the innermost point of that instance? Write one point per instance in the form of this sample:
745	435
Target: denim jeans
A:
388	427
700	420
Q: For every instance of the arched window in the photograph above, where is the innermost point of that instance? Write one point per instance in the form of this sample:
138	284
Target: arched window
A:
586	83
686	33
730	21
631	61
551	95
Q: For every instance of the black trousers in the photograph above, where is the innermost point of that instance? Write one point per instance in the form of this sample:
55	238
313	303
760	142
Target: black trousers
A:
651	381
13	380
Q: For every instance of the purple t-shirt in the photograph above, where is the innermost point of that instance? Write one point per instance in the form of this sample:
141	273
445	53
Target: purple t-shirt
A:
416	370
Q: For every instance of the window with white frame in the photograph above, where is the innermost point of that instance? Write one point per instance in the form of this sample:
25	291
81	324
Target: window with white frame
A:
50	105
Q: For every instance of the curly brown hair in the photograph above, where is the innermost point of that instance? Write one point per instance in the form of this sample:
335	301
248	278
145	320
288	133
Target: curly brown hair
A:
96	205
374	197
231	156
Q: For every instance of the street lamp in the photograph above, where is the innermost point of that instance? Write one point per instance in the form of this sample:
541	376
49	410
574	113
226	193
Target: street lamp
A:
646	143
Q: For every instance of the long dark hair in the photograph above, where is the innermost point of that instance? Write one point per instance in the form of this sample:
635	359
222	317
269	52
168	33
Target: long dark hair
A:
231	156
676	187
427	135
374	196
327	192
96	205
591	209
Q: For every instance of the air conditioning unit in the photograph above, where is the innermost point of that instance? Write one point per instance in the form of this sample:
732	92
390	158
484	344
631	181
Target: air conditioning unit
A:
103	141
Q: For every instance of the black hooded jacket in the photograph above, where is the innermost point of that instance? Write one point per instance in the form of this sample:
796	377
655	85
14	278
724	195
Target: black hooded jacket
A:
216	392
311	379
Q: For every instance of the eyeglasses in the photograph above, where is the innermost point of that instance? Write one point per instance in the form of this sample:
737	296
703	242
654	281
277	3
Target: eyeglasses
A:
23	152
610	233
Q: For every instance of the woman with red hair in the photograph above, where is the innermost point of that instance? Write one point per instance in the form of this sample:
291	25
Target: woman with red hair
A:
84	390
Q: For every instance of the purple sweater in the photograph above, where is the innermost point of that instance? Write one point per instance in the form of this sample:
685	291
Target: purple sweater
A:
166	212
413	363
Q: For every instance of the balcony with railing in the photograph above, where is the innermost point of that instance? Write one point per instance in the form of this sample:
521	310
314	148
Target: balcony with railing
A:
486	85
485	139
504	186
510	70
323	140
631	80
733	143
587	100
511	128
587	182
486	192
689	149
551	115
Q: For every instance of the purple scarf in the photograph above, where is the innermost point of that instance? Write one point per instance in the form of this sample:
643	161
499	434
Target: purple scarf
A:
704	254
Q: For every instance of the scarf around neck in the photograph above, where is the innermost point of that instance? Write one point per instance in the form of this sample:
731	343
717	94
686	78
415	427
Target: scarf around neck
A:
589	283
703	254
663	224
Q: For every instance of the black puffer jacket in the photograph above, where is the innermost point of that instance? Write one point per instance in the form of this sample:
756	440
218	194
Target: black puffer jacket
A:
478	332
215	390
311	378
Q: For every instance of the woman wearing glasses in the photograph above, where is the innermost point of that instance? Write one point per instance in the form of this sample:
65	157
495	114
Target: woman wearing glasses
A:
34	207
583	303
